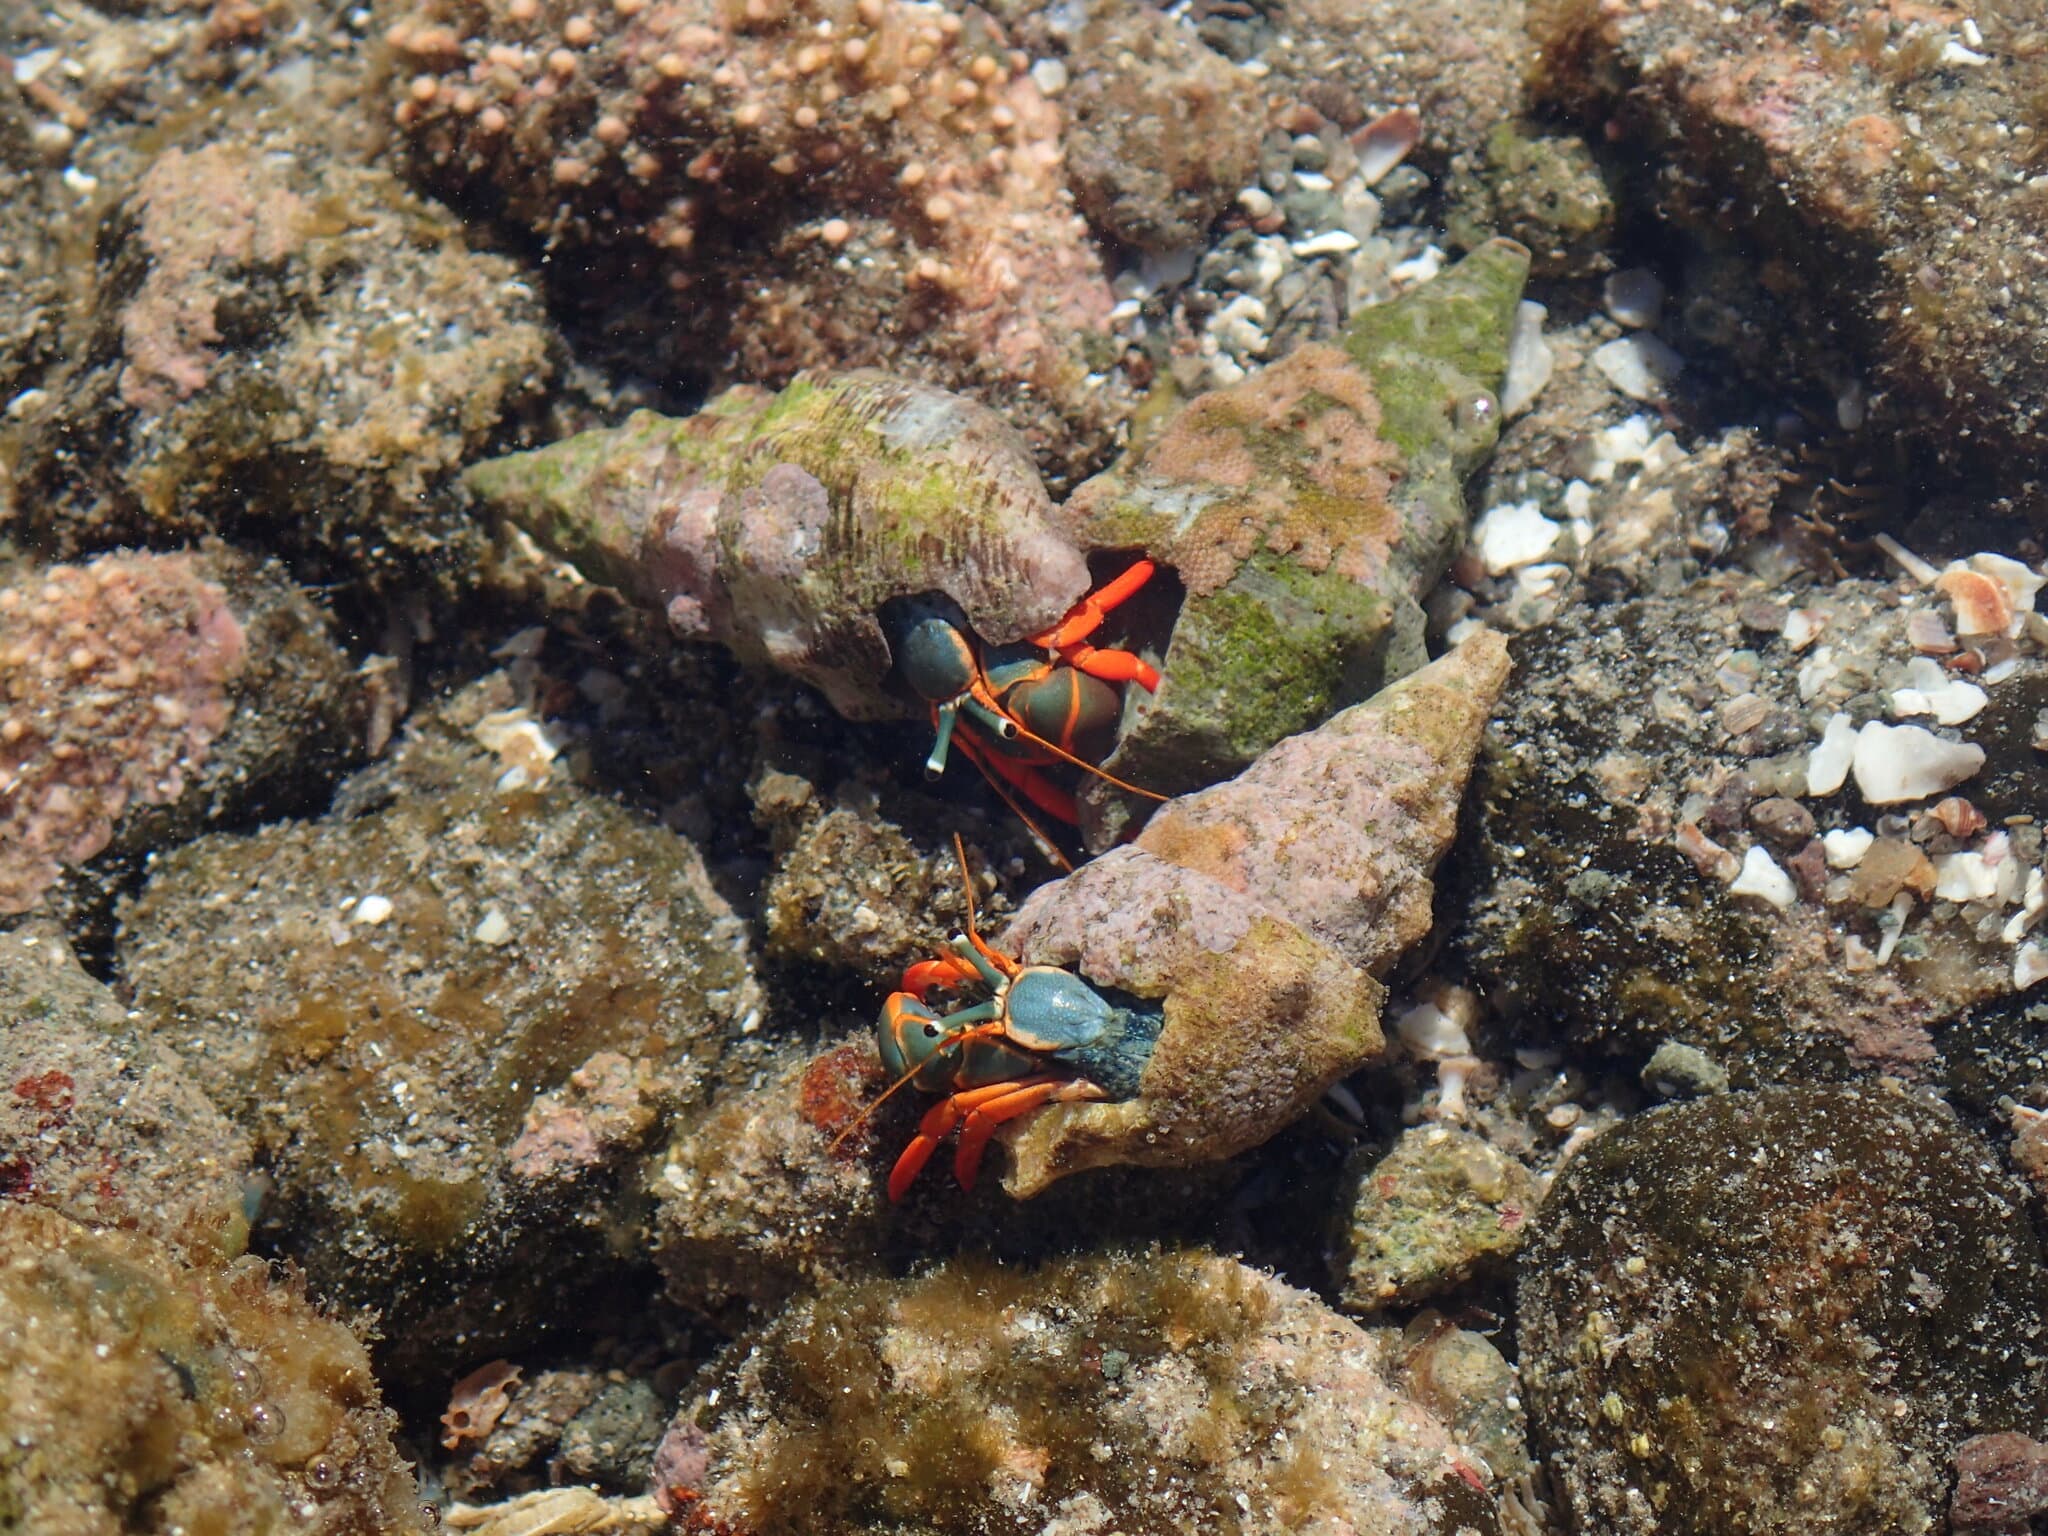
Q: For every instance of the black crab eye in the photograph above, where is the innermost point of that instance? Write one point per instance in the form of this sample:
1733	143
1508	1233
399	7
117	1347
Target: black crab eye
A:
931	1031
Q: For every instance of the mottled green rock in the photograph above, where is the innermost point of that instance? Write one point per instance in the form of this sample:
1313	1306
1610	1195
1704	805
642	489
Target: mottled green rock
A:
1545	191
1439	1207
1778	1312
1306	512
781	525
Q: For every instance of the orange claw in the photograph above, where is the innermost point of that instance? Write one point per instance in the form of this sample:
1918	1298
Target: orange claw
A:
983	1109
945	971
1086	616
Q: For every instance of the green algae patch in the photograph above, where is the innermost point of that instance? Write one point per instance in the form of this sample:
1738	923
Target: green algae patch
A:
1306	511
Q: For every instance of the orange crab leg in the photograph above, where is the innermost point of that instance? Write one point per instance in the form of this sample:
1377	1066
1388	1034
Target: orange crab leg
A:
983	1109
1018	1098
1086	616
1112	666
1027	781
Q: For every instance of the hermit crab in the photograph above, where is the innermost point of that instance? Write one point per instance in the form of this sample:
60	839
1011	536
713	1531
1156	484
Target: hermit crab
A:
1015	710
1180	999
1041	1036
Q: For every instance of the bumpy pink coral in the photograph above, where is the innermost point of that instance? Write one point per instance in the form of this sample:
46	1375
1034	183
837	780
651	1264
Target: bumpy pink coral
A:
112	687
823	183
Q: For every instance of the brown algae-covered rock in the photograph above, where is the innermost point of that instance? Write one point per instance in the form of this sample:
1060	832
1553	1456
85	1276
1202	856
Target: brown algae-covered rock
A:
101	1124
1136	1391
282	340
754	1207
1258	915
1162	132
143	695
780	525
1832	131
1306	511
142	1393
453	1012
1778	1312
1427	1214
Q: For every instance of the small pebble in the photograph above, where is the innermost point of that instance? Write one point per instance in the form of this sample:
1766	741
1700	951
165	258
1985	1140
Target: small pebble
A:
1641	366
371	911
1634	297
493	930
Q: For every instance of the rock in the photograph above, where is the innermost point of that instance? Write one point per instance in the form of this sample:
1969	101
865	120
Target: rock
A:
101	1125
1306	511
2001	1485
1259	913
891	196
283	341
1544	190
781	525
1775	1311
1438	1207
1683	1072
1826	138
754	1206
1161	132
141	1392
1460	62
1618	752
1127	1391
453	1125
1459	1376
143	696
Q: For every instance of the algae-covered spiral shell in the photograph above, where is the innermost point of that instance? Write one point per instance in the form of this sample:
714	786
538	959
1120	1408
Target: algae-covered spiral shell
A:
1262	912
780	525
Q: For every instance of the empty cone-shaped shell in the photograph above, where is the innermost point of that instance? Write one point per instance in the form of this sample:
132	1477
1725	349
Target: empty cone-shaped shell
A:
1260	911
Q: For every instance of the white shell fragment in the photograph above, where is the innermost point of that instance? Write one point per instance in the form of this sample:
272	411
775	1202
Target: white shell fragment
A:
1827	767
1512	535
493	929
1640	366
2029	966
1530	362
1932	691
1906	762
1428	1031
1964	877
1845	849
1762	878
1803	627
371	911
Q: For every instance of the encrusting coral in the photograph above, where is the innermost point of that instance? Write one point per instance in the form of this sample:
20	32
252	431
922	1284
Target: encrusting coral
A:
824	183
113	685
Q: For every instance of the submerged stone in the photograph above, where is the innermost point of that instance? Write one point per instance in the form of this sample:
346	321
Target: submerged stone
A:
1779	1312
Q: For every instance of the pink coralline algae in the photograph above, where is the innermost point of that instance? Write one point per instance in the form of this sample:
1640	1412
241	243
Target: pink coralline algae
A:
826	183
113	684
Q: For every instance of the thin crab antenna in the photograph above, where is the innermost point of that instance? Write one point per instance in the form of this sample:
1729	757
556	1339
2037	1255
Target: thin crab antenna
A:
1025	733
1046	845
994	957
976	1032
